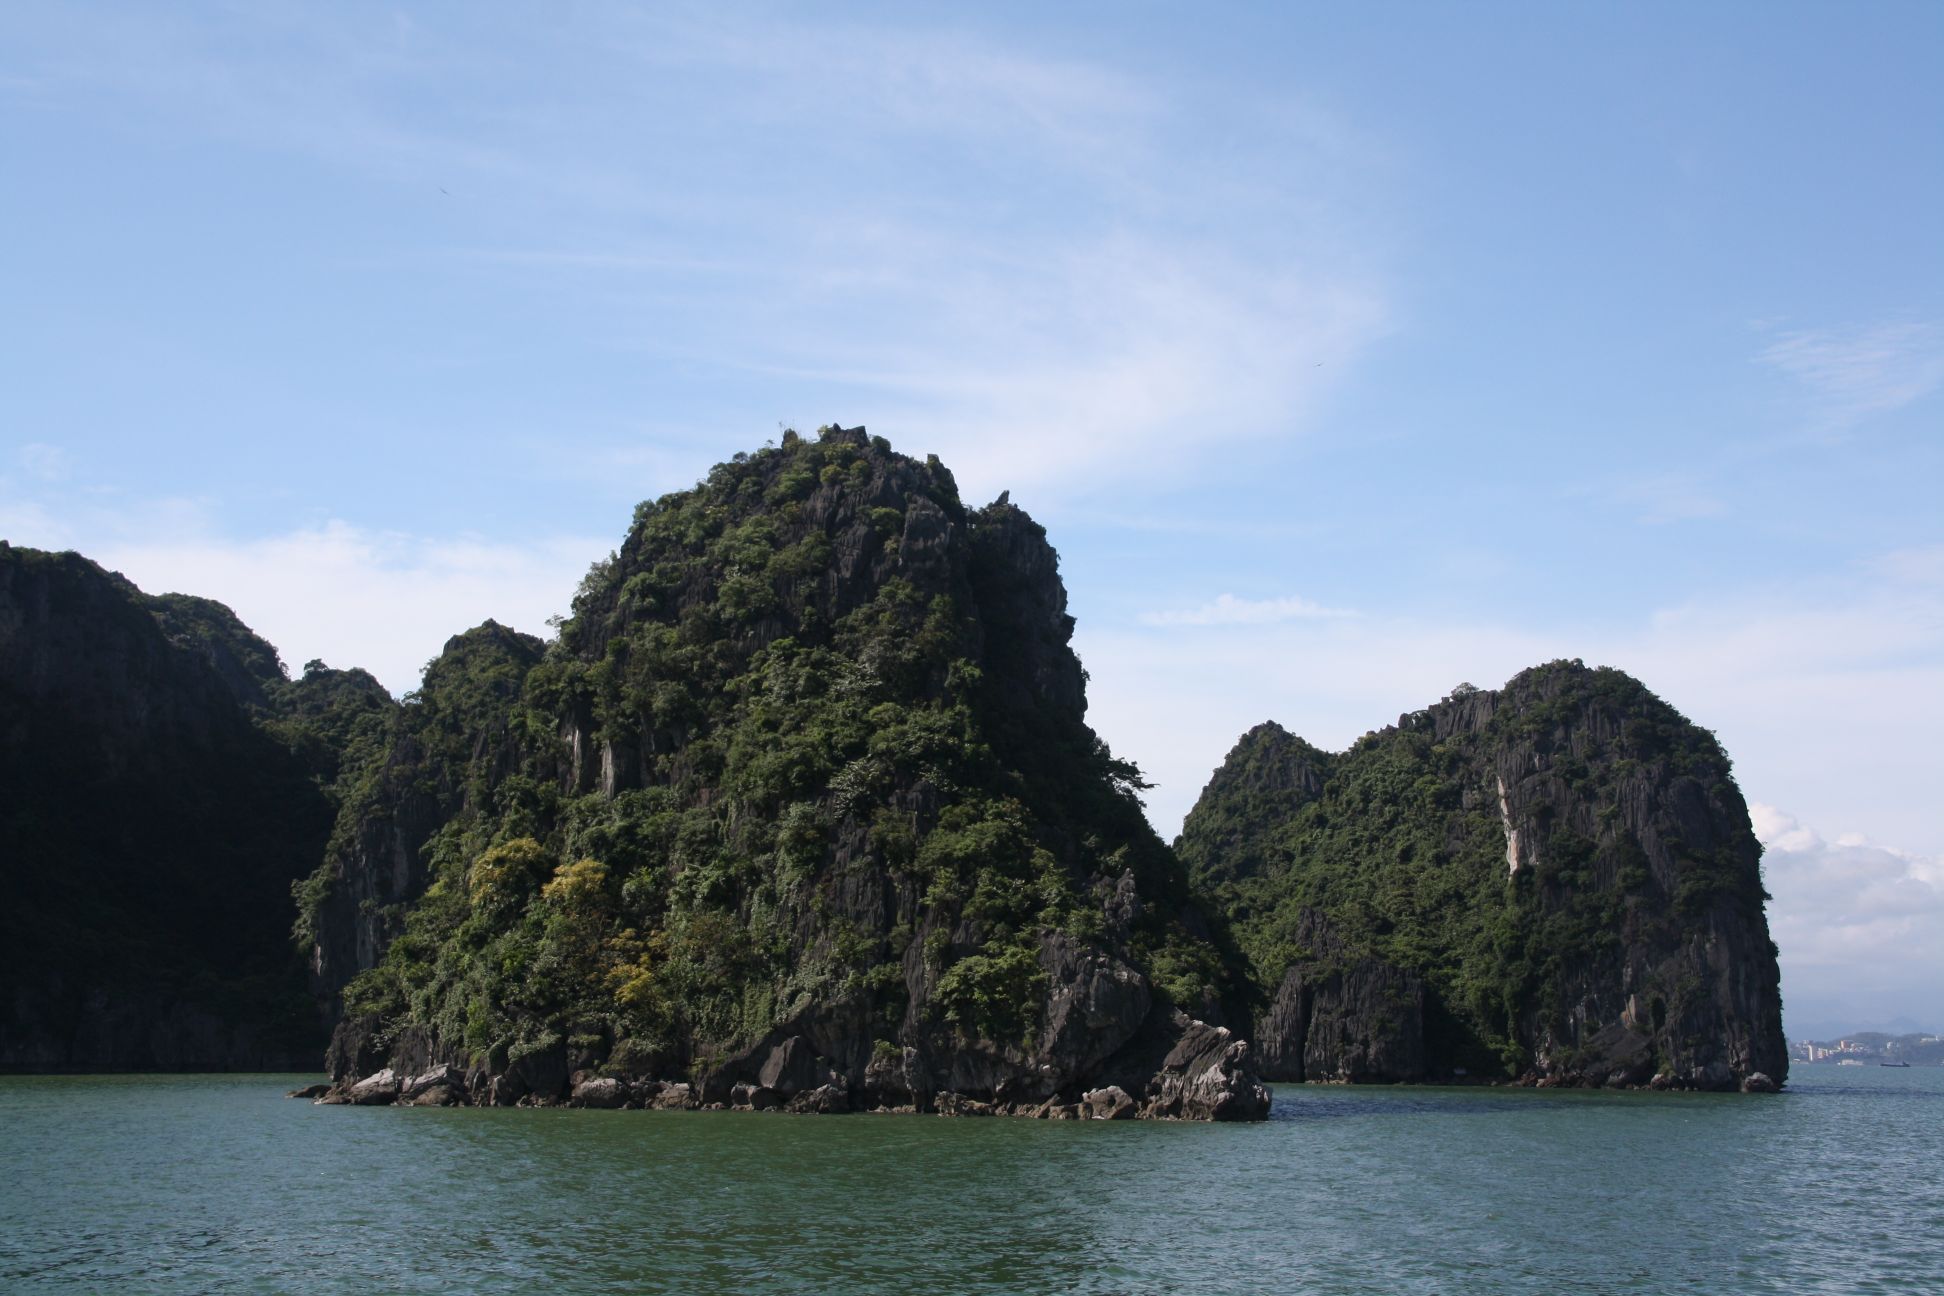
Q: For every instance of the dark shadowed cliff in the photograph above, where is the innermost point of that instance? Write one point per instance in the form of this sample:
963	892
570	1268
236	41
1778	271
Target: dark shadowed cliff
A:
151	828
800	808
1556	881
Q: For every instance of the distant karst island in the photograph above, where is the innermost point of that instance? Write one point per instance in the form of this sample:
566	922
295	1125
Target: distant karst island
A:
800	809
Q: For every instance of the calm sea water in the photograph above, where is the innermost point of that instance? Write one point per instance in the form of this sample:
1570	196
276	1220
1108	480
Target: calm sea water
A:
220	1184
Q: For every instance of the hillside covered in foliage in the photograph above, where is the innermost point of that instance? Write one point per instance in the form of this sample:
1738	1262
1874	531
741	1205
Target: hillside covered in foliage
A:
801	799
1555	881
165	784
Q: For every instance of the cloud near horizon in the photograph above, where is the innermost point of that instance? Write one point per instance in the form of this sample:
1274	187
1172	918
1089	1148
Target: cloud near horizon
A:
1860	926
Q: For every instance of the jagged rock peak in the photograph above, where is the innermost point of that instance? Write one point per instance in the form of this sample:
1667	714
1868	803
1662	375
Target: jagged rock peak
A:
1268	773
799	805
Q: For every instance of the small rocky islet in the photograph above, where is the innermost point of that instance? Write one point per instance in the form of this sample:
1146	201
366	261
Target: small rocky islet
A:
799	810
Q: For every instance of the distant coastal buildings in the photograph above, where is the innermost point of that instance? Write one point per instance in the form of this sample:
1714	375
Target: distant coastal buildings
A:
1872	1046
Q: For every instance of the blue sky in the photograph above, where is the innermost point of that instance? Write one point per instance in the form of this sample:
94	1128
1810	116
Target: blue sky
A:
1347	352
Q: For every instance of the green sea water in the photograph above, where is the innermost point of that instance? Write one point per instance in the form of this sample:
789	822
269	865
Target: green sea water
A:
220	1184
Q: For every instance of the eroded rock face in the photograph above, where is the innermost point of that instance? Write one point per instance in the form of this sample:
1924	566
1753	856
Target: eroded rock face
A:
1555	883
673	1097
1688	984
604	1092
825	1100
1206	1074
1095	1006
793	1067
1341	1017
454	741
1109	1103
378	1090
449	1078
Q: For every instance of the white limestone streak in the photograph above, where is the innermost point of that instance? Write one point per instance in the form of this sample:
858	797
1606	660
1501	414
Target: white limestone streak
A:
1511	833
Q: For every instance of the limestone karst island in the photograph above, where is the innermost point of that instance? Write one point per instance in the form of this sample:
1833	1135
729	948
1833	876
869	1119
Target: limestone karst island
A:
799	809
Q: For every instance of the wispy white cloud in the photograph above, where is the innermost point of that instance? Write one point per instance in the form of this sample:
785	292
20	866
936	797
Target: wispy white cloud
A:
46	462
1854	373
1118	362
1241	526
927	81
277	76
647	261
1226	609
1672	497
1060	298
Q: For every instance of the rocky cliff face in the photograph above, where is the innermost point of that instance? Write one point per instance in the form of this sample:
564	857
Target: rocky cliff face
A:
1341	1016
800	809
439	756
152	832
1556	882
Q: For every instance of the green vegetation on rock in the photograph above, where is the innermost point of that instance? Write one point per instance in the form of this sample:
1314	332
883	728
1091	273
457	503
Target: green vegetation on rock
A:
1551	863
809	754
